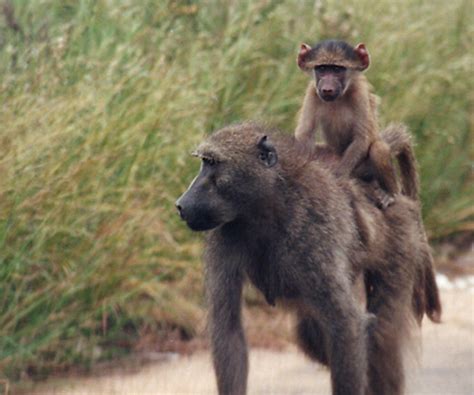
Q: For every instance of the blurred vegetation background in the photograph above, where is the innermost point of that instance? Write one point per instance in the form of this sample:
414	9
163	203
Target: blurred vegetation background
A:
101	103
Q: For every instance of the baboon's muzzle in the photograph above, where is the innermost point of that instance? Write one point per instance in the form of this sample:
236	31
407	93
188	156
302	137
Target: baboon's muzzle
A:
194	208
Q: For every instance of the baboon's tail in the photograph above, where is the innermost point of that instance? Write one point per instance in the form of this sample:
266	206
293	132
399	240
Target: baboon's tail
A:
425	293
401	145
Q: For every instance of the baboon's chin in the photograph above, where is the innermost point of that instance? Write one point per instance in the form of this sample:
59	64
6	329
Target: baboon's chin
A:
328	98
202	224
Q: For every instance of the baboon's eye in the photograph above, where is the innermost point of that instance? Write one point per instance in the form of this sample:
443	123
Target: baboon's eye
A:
208	161
321	69
338	69
329	68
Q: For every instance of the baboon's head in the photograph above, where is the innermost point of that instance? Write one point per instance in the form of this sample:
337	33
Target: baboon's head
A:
238	173
333	64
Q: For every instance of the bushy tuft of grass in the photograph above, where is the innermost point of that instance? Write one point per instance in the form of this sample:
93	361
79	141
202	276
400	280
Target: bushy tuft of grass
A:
103	100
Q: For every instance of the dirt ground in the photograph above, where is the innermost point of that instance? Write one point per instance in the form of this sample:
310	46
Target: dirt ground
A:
445	367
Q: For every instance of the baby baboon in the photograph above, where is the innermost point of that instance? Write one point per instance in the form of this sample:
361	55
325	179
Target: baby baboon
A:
339	100
303	238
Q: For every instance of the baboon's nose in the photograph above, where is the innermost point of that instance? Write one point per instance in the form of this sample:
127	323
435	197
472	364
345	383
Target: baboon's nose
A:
328	91
180	209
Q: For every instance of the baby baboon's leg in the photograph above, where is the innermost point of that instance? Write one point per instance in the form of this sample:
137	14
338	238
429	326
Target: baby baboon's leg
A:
381	158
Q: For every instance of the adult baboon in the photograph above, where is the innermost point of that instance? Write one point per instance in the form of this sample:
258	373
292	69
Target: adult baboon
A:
303	238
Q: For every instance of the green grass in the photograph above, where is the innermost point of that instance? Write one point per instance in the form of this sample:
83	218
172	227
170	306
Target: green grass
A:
103	100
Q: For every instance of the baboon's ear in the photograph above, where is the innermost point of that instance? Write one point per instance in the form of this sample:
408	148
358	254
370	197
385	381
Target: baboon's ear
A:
267	152
305	49
363	55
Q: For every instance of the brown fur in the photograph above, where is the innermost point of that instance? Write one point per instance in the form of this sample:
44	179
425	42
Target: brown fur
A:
396	136
304	238
349	123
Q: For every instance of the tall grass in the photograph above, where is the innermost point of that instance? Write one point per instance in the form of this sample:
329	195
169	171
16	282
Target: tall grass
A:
103	100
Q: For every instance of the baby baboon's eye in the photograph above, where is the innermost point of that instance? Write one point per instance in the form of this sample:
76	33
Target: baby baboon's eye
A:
321	69
338	69
329	68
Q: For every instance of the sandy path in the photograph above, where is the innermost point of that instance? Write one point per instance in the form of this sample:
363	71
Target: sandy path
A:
447	366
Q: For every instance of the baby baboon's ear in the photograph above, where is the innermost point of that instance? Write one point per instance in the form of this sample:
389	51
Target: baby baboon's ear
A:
267	152
363	55
301	59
